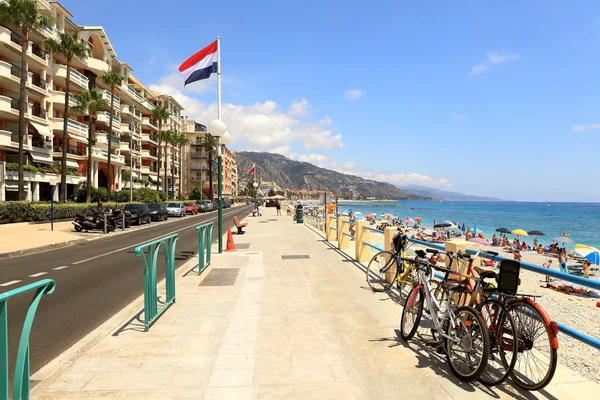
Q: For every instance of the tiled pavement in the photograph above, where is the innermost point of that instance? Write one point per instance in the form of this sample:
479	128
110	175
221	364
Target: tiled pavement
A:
286	329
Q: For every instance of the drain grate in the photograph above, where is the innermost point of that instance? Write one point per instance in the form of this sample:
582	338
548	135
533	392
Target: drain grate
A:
221	277
243	246
262	222
294	256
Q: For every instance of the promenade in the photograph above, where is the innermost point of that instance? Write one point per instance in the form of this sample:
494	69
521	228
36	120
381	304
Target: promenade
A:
286	316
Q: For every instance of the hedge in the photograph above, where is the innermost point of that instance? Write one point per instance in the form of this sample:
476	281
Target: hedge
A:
20	211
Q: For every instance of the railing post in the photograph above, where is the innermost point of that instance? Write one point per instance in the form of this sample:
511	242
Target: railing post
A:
388	234
343	227
363	253
123	224
204	245
4	350
330	233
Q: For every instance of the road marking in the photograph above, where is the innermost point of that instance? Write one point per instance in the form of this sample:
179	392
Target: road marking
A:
59	268
9	283
38	274
150	240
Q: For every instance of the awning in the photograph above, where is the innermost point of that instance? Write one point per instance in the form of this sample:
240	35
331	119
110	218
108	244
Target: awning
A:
77	137
72	164
134	175
42	129
41	158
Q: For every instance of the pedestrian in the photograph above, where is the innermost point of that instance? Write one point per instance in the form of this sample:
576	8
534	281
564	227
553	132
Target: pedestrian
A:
586	268
259	209
562	259
278	207
547	264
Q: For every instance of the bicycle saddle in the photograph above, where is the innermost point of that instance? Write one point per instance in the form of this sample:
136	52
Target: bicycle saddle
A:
420	253
485	273
455	286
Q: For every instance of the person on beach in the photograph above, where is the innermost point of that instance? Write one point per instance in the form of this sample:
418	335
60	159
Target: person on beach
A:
524	246
586	268
540	249
562	259
547	264
535	242
517	255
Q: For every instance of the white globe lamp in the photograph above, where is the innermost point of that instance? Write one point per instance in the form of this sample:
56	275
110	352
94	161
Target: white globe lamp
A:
226	138
217	128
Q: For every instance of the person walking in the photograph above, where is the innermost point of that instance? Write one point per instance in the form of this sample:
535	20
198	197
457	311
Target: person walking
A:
562	259
278	207
547	264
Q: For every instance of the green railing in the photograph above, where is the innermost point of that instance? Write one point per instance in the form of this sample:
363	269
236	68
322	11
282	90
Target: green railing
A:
149	254
21	379
204	244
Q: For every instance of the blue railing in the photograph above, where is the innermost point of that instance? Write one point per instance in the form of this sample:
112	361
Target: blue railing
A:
349	235
374	247
21	377
582	337
149	254
204	245
373	229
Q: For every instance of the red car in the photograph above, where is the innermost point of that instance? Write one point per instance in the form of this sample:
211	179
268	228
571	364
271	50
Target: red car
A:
191	208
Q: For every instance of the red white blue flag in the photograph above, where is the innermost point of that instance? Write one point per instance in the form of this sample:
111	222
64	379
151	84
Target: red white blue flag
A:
200	65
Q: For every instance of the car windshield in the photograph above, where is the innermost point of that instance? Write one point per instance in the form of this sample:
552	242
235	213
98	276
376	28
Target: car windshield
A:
189	204
207	202
174	205
154	206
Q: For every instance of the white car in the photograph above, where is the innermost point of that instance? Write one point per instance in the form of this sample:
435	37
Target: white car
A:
176	209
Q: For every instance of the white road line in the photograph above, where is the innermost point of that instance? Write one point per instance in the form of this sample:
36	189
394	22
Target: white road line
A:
9	283
38	274
59	268
150	240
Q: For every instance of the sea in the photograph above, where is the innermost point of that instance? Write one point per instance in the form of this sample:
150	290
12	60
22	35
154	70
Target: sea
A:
579	220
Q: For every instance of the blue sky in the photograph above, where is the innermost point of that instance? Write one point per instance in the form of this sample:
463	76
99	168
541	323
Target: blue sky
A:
489	98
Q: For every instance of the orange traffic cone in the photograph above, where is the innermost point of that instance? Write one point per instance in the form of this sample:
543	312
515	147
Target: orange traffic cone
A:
230	245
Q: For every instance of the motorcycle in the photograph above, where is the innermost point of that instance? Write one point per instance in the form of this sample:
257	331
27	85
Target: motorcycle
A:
95	222
117	214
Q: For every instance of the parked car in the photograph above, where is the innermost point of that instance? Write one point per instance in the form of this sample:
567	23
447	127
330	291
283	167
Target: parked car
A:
176	209
140	213
158	212
226	203
191	208
204	205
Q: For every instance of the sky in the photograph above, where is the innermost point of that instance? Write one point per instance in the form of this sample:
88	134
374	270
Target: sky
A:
493	98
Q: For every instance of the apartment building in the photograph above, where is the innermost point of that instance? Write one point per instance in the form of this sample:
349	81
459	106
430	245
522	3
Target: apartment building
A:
196	174
134	133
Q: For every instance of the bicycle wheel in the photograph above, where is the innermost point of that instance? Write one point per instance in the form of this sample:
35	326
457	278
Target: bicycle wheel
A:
469	354
503	342
537	359
382	271
412	312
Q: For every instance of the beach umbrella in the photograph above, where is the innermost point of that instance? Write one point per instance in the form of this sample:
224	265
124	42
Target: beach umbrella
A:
408	221
503	230
536	233
480	241
562	239
594	257
476	231
358	213
388	216
583	250
519	232
417	218
442	225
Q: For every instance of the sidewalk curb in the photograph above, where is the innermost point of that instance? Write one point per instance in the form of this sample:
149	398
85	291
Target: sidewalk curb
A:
40	249
51	371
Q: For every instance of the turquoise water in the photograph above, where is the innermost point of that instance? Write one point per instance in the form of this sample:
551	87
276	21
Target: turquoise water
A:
580	220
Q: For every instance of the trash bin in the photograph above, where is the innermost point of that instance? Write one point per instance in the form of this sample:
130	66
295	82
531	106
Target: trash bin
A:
299	215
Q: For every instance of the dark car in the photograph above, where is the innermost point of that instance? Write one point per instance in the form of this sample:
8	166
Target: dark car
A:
140	213
204	205
226	203
158	212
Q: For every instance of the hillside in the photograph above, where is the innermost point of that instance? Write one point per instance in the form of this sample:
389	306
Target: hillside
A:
438	194
292	174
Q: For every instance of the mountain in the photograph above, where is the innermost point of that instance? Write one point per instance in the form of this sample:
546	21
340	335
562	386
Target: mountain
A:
438	194
298	175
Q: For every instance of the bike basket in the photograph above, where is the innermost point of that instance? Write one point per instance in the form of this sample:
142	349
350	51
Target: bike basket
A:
508	279
399	242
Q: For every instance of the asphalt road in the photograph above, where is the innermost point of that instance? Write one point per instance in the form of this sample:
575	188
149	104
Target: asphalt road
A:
94	281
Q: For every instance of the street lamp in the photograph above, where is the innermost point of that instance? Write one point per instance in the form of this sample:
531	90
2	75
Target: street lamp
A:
217	128
255	189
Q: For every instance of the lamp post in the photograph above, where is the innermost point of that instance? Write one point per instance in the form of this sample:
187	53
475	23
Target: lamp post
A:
255	190
217	128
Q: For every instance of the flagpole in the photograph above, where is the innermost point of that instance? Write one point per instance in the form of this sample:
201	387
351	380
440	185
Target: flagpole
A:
219	150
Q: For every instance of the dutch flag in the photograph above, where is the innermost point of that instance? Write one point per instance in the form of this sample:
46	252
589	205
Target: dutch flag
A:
200	65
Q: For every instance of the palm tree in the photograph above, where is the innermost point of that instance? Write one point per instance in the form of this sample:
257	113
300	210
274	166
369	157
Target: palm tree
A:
90	102
23	14
160	114
211	142
165	137
68	47
114	79
182	140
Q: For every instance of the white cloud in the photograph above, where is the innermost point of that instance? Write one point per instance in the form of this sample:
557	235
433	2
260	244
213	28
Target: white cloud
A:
326	120
299	109
457	116
354	94
584	127
493	59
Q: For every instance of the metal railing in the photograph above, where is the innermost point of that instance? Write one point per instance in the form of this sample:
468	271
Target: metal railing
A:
21	375
373	229
15	70
15	38
38	51
39	82
575	334
149	253
204	245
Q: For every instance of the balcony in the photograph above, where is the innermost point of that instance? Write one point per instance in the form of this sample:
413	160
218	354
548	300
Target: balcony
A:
149	122
196	167
125	146
105	118
95	65
135	94
37	81
39	112
103	155
39	52
60	71
106	95
58	97
126	109
145	169
74	127
71	150
126	128
199	154
101	138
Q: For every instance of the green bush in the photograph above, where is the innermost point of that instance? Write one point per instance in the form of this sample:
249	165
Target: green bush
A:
121	196
13	211
19	211
145	195
11	166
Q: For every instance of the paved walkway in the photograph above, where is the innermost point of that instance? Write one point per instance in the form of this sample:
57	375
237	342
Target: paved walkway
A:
24	236
294	328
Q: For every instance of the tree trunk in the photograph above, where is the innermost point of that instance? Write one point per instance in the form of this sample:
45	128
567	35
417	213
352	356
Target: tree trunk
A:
166	182
88	196
22	109
110	125
173	172
159	154
211	195
63	167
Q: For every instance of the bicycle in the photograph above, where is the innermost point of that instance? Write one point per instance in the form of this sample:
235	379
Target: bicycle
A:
466	338
387	267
